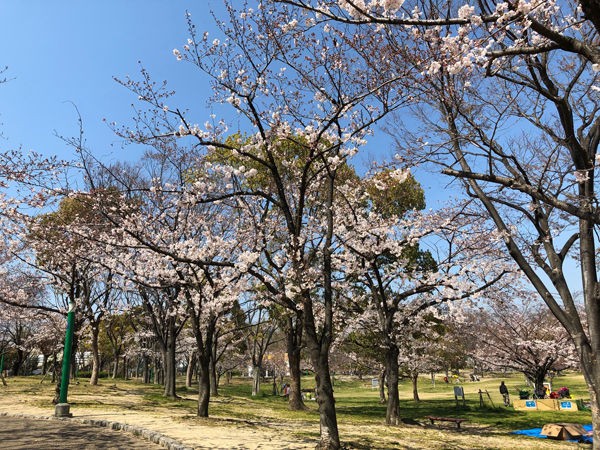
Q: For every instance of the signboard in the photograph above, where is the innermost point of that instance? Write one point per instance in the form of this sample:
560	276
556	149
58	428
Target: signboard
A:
567	405
458	391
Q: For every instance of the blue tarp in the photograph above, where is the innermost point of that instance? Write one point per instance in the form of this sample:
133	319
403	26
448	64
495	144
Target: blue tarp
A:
536	432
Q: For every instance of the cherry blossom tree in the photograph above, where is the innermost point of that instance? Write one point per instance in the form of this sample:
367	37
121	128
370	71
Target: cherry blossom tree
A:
401	284
260	329
516	332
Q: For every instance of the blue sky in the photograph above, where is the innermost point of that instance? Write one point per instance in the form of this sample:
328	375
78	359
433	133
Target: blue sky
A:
69	51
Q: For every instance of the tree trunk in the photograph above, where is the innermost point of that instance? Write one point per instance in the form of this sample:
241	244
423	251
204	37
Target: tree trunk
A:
54	368
169	361
382	379
294	347
392	414
319	354
594	404
95	356
189	373
255	380
414	376
330	439
538	383
17	363
214	382
203	386
145	369
157	371
115	370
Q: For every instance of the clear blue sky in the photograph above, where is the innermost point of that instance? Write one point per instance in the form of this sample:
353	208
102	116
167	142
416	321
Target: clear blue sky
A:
69	51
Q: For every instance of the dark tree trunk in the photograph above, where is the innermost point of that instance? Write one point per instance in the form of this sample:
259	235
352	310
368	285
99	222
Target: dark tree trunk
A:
382	379
45	364
18	362
169	361
392	414
145	369
294	347
214	383
203	385
330	439
189	373
415	379
54	368
319	353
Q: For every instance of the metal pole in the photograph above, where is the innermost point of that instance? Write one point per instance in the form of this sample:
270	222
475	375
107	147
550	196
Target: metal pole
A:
62	408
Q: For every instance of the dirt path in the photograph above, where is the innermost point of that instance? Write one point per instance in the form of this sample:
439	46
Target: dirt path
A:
190	431
18	433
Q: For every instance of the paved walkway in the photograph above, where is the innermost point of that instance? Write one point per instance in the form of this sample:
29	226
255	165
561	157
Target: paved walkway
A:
30	434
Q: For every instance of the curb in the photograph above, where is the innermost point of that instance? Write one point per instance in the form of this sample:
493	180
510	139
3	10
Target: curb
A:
144	433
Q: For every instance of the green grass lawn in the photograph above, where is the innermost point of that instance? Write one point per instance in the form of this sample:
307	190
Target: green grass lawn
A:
356	401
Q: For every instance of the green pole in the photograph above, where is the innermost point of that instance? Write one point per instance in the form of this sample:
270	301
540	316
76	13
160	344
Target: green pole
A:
62	408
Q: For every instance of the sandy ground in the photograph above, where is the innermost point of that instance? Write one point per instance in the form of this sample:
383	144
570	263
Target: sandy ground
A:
225	433
19	433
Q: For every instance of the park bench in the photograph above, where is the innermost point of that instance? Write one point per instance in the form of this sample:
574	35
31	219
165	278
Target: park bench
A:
447	419
309	394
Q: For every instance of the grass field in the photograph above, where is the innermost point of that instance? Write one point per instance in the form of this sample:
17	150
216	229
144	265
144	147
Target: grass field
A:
358	408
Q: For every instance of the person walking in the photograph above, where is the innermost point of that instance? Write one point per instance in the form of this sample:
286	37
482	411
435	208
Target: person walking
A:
505	394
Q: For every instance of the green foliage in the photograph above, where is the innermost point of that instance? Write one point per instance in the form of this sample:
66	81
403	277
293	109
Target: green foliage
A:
88	374
398	197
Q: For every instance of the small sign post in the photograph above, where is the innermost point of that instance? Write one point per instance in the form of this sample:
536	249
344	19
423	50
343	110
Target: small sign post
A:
459	392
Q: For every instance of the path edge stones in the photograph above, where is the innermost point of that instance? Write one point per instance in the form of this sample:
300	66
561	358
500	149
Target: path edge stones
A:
149	435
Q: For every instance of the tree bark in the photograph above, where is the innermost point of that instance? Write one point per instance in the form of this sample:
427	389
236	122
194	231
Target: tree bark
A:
189	373
214	382
169	361
203	385
392	414
382	379
255	380
294	347
115	370
95	356
330	439
146	369
414	376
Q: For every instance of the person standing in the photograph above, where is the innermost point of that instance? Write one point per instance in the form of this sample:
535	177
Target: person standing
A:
505	394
